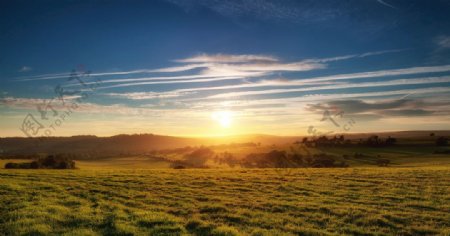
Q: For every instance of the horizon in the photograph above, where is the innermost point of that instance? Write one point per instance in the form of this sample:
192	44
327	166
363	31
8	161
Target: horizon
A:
238	135
221	69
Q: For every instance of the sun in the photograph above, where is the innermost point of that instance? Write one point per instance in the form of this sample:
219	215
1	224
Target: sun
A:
224	118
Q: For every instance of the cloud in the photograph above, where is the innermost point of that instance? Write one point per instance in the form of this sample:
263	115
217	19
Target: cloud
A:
431	80
227	65
385	108
229	74
407	112
386	4
208	79
181	68
232	66
149	95
85	107
360	106
216	65
382	73
25	69
442	42
261	62
332	79
226	58
352	56
327	97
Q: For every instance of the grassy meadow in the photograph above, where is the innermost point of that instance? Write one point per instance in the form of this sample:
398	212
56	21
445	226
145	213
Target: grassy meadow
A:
305	201
144	195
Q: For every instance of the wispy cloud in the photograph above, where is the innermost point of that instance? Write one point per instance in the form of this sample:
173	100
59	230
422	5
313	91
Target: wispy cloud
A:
332	79
226	58
216	65
443	42
352	56
25	69
239	65
149	95
325	97
385	108
208	79
225	66
432	80
386	4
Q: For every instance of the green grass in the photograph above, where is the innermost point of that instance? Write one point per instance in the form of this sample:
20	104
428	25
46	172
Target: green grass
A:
355	201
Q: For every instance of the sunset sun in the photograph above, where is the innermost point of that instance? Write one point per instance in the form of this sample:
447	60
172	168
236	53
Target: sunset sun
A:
223	118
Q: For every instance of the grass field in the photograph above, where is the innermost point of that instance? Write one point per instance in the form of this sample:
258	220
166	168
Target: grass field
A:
357	201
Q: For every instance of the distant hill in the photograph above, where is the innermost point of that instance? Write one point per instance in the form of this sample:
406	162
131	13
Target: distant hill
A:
92	145
89	146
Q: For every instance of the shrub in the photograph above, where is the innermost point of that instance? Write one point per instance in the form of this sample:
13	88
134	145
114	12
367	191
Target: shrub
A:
49	162
11	165
199	157
279	159
323	160
383	162
179	167
442	141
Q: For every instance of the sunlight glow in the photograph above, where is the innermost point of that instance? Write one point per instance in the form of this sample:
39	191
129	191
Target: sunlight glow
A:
224	118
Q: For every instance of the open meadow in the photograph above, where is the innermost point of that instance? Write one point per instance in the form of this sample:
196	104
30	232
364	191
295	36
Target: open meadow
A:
307	201
359	189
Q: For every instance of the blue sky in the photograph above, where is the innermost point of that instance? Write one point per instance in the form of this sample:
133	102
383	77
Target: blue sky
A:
205	68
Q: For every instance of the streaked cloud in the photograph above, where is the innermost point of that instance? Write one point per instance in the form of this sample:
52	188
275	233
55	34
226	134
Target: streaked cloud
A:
386	4
216	65
445	79
226	58
443	42
325	97
149	95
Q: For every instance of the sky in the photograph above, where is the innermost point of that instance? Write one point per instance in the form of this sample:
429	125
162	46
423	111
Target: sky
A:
213	68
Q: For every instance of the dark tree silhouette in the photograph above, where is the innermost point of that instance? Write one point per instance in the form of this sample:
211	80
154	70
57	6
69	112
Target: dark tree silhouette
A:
199	157
442	141
383	162
49	162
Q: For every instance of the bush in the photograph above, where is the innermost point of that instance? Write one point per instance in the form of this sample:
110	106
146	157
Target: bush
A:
383	162
279	159
199	157
11	165
49	162
323	160
442	141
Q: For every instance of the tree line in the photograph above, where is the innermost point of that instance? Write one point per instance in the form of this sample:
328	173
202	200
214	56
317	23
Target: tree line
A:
49	162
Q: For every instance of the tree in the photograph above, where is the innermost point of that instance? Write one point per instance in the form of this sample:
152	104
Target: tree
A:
442	141
373	140
304	140
383	162
11	165
199	157
391	141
